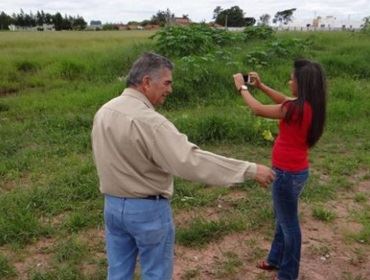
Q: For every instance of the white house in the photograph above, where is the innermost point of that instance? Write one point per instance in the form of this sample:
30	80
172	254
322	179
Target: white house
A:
326	23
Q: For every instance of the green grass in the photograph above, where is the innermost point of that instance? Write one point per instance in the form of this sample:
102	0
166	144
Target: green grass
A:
323	214
6	270
51	85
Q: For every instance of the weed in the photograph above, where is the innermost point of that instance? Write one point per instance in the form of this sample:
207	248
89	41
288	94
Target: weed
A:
191	274
6	270
202	232
69	250
350	276
322	214
229	265
360	197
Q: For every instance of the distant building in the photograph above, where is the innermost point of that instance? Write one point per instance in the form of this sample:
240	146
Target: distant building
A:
44	27
327	23
95	25
181	21
151	26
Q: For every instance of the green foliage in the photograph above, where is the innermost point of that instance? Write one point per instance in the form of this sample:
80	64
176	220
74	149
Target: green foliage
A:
365	27
71	70
293	48
233	17
229	266
202	232
17	222
233	124
259	32
322	214
178	41
64	272
6	270
69	250
27	66
4	107
284	17
282	48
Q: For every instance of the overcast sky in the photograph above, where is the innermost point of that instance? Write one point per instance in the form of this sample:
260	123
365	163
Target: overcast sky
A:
198	10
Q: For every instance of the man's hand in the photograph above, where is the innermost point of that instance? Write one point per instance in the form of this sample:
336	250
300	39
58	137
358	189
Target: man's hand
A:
264	175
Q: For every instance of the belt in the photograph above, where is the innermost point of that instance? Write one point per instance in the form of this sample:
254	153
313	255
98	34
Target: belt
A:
154	197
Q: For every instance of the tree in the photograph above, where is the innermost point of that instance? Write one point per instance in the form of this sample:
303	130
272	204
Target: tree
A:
79	23
234	17
249	21
162	17
366	25
217	11
58	21
265	19
5	21
284	17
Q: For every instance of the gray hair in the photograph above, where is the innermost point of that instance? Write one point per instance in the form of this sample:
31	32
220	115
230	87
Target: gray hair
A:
149	64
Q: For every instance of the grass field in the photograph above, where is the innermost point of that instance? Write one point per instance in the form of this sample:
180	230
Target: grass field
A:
51	84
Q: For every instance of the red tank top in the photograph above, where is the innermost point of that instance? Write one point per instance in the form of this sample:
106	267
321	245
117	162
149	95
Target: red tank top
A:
290	151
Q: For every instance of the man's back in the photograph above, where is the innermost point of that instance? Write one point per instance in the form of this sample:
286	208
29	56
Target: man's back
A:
123	136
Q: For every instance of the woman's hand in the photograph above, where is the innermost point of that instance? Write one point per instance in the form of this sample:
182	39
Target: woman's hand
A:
255	79
238	80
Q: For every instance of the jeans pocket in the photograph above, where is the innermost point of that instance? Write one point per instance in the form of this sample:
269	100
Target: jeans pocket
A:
147	227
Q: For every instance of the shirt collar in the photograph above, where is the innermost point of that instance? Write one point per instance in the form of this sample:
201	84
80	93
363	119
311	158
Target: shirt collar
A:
138	95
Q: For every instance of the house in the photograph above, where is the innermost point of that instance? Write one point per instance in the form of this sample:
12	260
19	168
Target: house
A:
44	27
95	25
181	21
151	26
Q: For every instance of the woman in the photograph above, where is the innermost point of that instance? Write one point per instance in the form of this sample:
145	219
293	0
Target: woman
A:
302	120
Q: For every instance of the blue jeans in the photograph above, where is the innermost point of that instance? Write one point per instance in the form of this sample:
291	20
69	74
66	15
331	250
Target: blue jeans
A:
139	228
285	252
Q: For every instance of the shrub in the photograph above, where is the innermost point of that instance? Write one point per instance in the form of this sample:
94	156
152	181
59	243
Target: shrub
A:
259	32
27	66
71	70
178	41
5	269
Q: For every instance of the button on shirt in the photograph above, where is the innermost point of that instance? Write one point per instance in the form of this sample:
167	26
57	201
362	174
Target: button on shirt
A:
137	151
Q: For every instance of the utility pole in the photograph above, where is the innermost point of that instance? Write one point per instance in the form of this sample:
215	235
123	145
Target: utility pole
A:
226	23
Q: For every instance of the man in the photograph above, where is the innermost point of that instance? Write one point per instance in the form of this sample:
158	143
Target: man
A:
137	152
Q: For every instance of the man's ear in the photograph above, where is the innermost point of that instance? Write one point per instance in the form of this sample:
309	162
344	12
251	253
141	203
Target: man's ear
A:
146	81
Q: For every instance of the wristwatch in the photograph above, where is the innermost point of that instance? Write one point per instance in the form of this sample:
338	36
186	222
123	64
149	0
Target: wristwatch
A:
243	87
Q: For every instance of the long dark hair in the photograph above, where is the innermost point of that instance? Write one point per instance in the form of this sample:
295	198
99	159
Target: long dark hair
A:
311	87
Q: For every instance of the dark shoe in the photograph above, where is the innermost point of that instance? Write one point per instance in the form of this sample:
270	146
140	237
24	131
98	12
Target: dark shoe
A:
264	265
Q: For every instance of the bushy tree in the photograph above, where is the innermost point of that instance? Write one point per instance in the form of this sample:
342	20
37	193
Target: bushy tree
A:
30	20
162	17
366	25
233	17
284	17
249	21
5	21
265	19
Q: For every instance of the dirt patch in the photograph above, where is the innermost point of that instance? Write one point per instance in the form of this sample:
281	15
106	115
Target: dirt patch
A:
36	256
364	187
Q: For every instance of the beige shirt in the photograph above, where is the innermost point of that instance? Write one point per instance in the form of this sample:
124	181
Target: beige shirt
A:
137	151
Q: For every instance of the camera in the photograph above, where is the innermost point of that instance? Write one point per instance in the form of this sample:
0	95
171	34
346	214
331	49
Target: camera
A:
247	79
